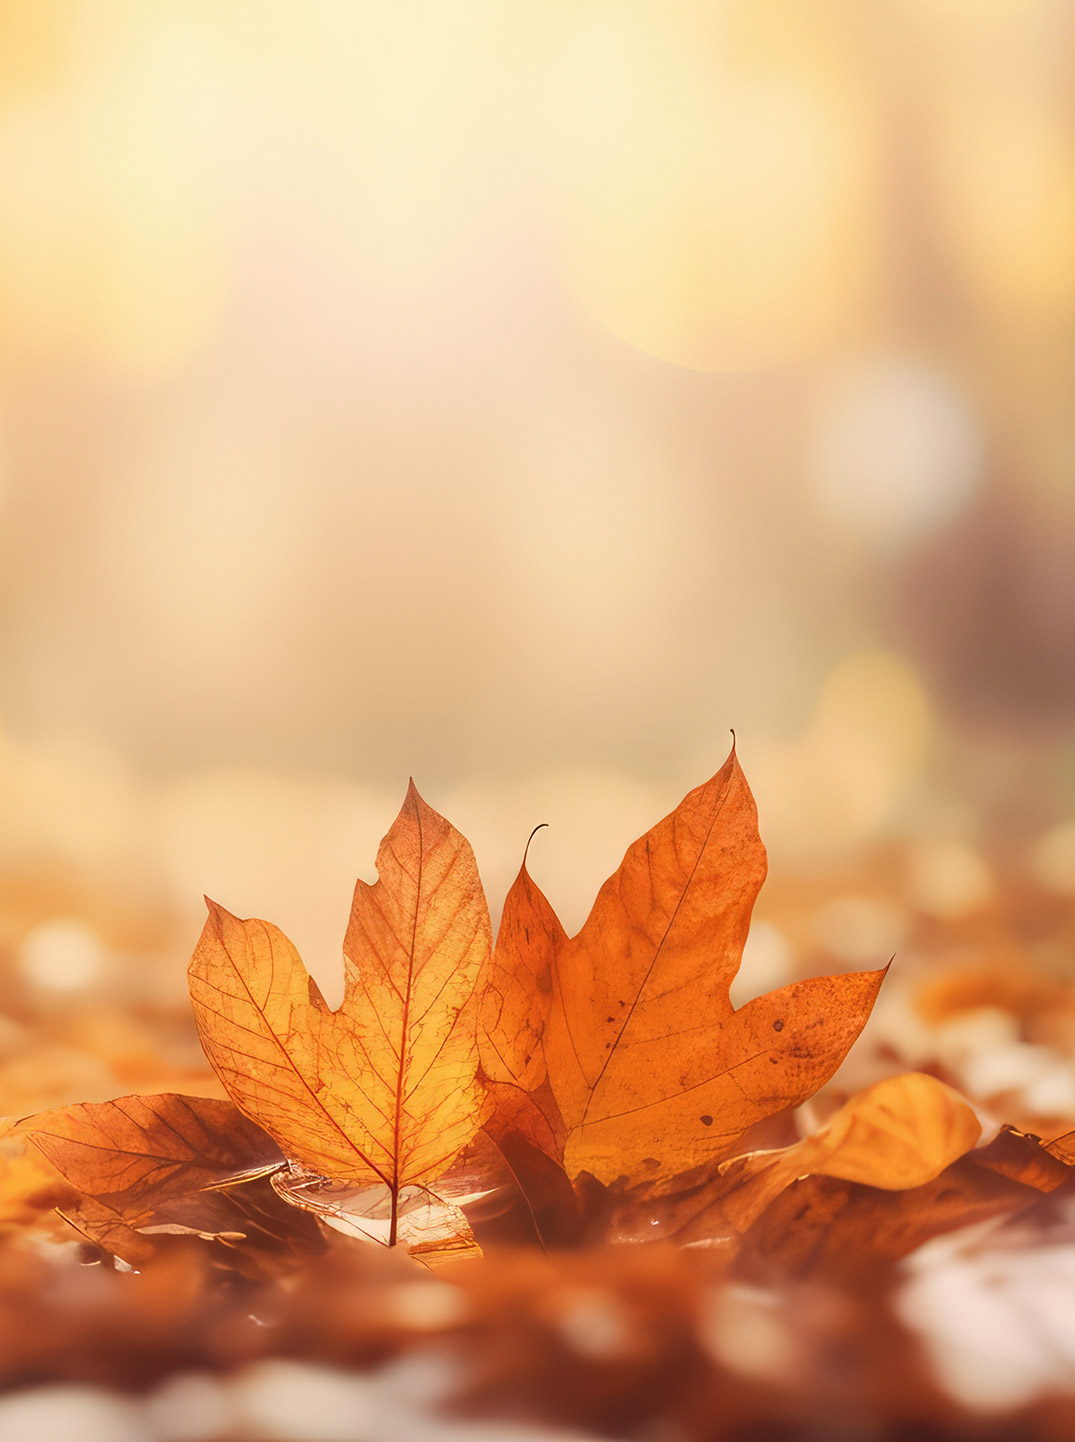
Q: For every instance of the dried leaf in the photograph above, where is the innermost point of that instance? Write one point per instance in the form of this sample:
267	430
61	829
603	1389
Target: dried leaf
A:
385	1089
136	1152
507	1194
430	1224
105	1228
898	1134
148	1168
652	1068
1063	1148
841	1228
516	999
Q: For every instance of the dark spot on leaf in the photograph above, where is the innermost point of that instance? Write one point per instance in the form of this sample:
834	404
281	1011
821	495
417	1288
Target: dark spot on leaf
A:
706	1121
778	1026
775	1060
610	1018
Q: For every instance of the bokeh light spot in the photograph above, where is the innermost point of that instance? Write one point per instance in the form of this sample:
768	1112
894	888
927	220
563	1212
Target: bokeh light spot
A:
895	452
947	879
767	963
860	930
61	955
1053	859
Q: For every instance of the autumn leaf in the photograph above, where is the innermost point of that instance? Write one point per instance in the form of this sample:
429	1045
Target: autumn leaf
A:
143	1170
385	1090
652	1069
136	1152
515	1002
898	1134
249	1227
1063	1148
825	1224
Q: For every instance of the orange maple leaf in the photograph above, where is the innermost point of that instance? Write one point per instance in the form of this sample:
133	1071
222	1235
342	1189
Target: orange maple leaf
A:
650	1068
385	1089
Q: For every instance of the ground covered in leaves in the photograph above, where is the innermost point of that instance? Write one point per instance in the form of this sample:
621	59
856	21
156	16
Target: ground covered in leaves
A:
559	1184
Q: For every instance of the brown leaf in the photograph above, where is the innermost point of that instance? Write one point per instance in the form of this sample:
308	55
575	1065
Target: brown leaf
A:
653	1070
828	1225
248	1227
898	1134
105	1228
150	1168
553	1213
1063	1148
385	1089
1027	1159
136	1152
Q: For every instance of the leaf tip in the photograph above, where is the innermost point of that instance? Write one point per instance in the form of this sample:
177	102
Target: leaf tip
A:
526	848
414	800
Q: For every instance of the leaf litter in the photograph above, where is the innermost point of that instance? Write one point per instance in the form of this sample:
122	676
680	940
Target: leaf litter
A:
545	1094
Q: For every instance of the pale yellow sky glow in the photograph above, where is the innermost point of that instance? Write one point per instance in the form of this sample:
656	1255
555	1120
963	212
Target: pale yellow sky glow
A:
521	397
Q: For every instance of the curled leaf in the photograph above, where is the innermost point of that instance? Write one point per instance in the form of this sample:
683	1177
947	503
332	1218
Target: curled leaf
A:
154	1167
136	1152
900	1133
826	1225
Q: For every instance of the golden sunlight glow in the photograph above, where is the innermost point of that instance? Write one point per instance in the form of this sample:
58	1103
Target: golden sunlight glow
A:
719	208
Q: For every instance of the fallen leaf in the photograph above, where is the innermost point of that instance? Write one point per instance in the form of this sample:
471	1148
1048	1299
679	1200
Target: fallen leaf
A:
105	1229
384	1090
828	1225
143	1169
135	1153
515	1005
510	1196
1063	1148
1027	1159
431	1224
250	1229
652	1068
898	1134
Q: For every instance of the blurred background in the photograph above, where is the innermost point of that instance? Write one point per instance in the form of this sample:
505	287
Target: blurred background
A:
520	397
